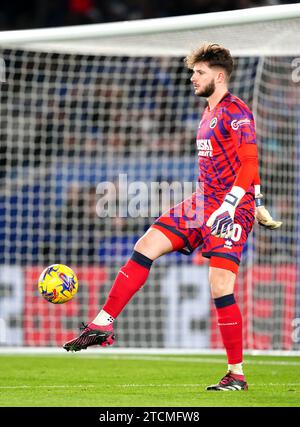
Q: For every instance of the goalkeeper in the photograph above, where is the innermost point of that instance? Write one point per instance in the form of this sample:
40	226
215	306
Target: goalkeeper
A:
224	213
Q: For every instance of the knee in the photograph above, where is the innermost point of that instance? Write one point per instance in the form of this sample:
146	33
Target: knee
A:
221	282
219	289
153	244
142	245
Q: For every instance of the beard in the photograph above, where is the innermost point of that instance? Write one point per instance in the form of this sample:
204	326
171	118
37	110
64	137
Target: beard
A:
208	90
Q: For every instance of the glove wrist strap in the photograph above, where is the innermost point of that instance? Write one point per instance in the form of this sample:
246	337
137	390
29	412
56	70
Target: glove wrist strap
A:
231	199
259	200
234	196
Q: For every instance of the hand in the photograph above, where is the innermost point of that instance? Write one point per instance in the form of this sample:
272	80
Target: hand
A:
263	216
221	221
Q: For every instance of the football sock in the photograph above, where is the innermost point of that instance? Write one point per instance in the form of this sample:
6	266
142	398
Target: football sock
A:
129	280
236	369
103	319
230	324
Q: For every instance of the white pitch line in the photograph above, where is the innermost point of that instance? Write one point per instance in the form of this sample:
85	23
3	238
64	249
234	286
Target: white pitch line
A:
141	385
161	385
203	385
144	351
201	360
45	386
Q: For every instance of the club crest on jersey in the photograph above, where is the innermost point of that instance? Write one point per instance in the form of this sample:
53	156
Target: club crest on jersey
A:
235	124
213	122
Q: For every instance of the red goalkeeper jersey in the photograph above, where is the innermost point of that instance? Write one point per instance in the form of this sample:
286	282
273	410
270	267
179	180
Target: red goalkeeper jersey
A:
226	141
227	153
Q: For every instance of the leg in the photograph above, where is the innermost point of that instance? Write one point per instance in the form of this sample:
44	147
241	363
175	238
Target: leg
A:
129	280
134	273
229	316
230	323
225	255
153	244
167	234
221	281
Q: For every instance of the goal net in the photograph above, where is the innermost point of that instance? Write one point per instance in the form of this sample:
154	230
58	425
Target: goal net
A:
111	106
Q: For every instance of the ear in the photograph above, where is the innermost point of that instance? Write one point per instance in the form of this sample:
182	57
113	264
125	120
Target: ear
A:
221	78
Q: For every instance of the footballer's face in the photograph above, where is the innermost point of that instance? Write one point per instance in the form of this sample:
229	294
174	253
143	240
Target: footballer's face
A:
204	79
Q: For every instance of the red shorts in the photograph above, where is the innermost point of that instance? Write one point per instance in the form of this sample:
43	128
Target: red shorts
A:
185	226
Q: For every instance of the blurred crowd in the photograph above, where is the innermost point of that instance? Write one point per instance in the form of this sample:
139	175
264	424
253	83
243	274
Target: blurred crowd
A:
75	121
16	14
90	126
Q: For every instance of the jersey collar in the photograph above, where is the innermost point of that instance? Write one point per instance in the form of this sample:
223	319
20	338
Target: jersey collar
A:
222	99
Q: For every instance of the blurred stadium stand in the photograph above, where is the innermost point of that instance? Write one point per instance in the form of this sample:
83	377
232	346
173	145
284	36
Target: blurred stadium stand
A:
17	14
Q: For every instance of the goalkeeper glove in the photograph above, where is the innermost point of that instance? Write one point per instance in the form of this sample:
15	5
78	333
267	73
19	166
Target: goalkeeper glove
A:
221	221
263	216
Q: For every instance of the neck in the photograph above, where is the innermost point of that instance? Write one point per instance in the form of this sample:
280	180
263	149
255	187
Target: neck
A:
216	97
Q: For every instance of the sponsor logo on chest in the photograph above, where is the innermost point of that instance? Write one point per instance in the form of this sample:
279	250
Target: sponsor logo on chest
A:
204	147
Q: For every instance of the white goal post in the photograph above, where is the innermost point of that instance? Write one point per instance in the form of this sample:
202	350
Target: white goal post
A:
113	103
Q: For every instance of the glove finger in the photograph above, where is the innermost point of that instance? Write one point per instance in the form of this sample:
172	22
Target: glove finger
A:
215	228
223	231
277	225
274	225
214	232
210	220
221	228
229	231
271	225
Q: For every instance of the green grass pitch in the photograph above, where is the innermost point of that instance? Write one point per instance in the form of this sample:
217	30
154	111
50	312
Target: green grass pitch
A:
111	380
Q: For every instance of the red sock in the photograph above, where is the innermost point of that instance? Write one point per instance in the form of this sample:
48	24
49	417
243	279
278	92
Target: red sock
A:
230	324
129	280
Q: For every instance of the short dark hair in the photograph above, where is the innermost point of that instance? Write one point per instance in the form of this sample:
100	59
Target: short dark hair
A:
215	56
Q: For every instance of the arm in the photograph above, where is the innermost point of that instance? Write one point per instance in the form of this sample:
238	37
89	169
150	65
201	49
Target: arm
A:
221	221
248	174
240	125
